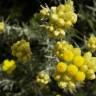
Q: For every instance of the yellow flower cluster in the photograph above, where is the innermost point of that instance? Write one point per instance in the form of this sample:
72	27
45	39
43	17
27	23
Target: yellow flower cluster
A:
68	76
21	49
60	18
58	95
2	26
8	66
89	66
64	50
91	43
44	11
73	68
43	78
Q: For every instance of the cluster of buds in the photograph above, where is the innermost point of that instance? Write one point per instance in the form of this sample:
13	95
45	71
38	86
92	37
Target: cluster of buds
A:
44	12
61	47
8	66
91	43
73	68
43	78
21	49
59	18
89	66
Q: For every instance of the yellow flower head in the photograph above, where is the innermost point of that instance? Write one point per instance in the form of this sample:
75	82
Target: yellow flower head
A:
69	6
92	77
62	84
84	68
43	78
72	70
68	24
54	18
74	18
60	17
87	55
71	86
78	61
66	78
68	16
58	95
68	55
22	50
61	8
60	22
63	46
91	43
2	26
53	9
51	28
57	77
76	51
80	76
60	14
90	72
8	66
44	11
59	32
61	67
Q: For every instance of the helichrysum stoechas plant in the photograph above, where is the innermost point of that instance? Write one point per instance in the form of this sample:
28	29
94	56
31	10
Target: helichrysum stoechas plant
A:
21	49
59	18
69	68
91	43
43	78
73	68
8	66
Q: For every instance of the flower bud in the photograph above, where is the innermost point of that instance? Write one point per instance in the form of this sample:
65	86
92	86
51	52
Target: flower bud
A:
62	84
2	26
